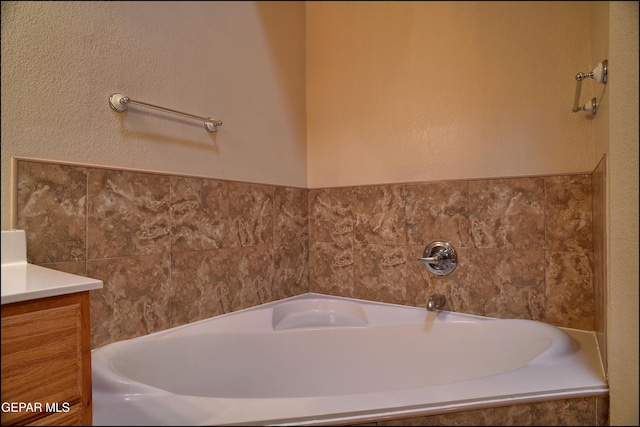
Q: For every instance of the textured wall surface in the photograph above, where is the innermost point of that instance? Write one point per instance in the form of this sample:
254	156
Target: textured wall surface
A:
623	214
415	91
240	62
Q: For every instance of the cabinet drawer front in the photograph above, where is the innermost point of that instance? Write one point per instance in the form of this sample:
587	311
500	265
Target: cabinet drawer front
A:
41	360
71	418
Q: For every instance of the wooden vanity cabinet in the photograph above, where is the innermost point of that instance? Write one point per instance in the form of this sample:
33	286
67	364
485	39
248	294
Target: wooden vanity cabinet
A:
46	361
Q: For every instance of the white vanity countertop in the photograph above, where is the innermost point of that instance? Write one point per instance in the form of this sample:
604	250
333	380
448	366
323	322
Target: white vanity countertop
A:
22	281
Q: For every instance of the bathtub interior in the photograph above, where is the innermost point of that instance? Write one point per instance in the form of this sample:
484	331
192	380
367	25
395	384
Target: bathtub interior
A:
333	356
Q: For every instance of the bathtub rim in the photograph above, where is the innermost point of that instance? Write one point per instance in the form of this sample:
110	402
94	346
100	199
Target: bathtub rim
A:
304	296
406	411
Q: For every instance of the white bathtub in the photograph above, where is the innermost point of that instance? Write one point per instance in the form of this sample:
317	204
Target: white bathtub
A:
316	359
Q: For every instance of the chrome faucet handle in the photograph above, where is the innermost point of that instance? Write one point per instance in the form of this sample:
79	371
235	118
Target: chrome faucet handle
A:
436	258
440	258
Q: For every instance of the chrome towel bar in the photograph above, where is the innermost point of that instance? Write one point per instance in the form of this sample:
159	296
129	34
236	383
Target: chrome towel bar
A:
120	103
599	74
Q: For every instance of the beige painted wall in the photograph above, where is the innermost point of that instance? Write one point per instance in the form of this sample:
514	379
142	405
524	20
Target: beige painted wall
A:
599	52
241	62
615	38
622	264
413	91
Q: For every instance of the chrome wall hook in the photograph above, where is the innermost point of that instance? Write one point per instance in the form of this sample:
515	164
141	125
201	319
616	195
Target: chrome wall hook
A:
599	74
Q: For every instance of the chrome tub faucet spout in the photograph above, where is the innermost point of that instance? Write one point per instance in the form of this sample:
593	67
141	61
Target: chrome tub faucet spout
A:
436	302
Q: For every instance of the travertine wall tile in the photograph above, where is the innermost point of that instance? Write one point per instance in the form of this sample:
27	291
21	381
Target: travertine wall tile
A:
507	284
199	285
51	204
568	213
200	215
367	214
523	244
332	215
225	243
291	215
73	267
213	282
134	299
380	272
438	211
251	281
291	269
570	298
566	412
379	215
503	222
251	213
331	268
602	411
127	214
507	213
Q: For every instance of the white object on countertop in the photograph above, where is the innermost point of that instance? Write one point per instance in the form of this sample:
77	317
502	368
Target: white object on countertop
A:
14	247
22	281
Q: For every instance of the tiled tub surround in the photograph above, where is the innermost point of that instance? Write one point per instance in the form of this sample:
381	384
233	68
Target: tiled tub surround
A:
173	249
169	249
523	244
587	411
